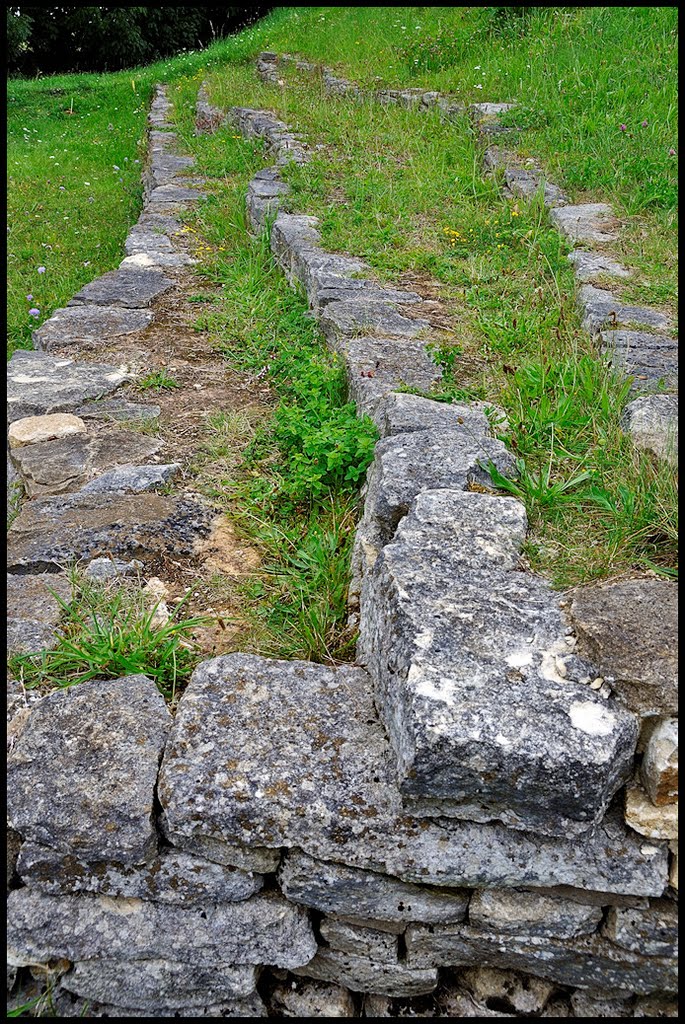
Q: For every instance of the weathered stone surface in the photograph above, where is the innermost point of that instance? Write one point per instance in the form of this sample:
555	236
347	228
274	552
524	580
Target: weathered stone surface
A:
111	568
601	308
13	845
379	946
26	636
51	532
337	889
652	932
375	366
673	869
590	265
54	467
171	877
119	410
594	1004
134	289
304	998
650	358
33	612
173	194
143	239
340	321
133	479
151	258
34	429
89	326
629	629
38	384
648	820
262	930
360	974
339	289
316	271
652	422
82	774
586	962
66	1004
319	775
291	235
403	413
513	993
407	464
458	1002
589	222
659	769
655	1006
530	183
462	651
158	984
529	913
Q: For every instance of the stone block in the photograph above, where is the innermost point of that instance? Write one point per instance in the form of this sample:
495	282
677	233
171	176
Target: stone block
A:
655	1006
652	422
119	410
588	266
586	962
651	359
82	774
337	889
659	769
648	820
303	998
158	984
589	222
171	877
34	611
360	974
319	775
404	413
133	479
376	366
131	288
49	532
652	932
66	1004
340	321
462	650
379	946
262	930
34	429
511	992
530	183
38	384
600	308
528	913
629	629
86	327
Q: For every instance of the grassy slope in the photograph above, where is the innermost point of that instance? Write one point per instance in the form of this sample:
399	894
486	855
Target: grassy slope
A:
406	192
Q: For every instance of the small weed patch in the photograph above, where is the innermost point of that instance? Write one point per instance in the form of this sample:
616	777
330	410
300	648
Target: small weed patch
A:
158	381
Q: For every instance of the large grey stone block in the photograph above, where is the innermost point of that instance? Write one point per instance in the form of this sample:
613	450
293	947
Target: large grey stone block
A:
462	650
630	630
590	265
375	366
134	289
158	984
337	889
34	610
340	321
262	930
318	775
86	327
171	877
588	222
586	962
401	413
600	309
38	384
51	532
360	974
379	946
652	422
66	1004
82	774
133	479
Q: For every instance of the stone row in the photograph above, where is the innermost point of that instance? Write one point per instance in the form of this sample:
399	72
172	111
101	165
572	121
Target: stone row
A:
651	359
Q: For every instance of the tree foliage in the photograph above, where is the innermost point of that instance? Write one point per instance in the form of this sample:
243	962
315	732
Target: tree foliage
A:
50	40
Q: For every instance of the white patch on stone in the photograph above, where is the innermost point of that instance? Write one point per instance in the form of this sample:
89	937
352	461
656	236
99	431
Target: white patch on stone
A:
590	718
520	659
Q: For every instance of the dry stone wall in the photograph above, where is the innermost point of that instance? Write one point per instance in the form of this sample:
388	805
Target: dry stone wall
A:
441	823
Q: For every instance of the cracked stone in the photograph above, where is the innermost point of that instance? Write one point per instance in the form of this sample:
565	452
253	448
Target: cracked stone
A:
601	309
39	384
652	932
360	974
89	326
340	321
403	413
133	289
375	366
379	946
72	742
133	479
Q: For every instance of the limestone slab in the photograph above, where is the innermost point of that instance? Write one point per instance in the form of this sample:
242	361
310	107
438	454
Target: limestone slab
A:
376	366
403	413
39	384
652	932
34	429
338	889
319	775
462	650
262	930
600	308
88	326
360	974
648	820
629	629
652	422
587	962
131	479
588	222
51	532
340	321
529	913
131	288
379	946
590	265
171	877
82	774
119	410
158	984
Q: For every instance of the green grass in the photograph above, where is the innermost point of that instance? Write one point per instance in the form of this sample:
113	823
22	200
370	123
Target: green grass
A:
109	632
160	380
